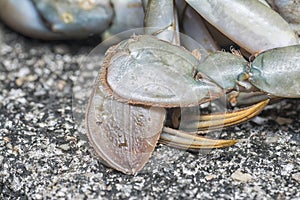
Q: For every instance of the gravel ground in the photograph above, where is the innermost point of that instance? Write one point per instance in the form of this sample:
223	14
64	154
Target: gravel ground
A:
43	155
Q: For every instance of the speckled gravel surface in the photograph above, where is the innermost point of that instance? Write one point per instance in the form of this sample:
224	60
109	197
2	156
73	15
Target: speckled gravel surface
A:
44	156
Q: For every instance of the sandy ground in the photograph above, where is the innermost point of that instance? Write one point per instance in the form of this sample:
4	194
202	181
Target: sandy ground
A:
43	155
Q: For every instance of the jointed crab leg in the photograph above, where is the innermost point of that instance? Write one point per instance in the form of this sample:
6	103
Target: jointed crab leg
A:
222	120
271	30
206	123
185	140
277	72
193	25
164	25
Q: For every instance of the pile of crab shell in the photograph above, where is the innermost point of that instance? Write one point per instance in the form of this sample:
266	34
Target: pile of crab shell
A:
148	81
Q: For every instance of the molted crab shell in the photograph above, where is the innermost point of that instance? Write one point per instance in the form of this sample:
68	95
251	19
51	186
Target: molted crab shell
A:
142	76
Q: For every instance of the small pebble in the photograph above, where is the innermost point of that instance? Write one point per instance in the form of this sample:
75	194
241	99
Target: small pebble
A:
296	177
210	177
65	147
240	176
283	121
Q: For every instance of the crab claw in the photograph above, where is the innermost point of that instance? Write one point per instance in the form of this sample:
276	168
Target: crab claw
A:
156	73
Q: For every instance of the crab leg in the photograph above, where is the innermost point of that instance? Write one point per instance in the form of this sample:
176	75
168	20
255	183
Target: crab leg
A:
206	123
245	98
128	14
184	140
250	24
193	25
164	25
277	71
289	10
187	140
